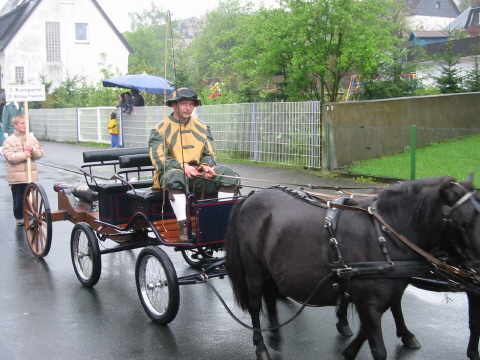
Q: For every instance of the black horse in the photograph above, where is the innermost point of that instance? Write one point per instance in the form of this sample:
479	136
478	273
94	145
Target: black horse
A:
408	338
277	244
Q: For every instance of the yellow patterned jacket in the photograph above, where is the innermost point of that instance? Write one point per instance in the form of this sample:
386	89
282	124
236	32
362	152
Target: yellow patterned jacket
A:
173	144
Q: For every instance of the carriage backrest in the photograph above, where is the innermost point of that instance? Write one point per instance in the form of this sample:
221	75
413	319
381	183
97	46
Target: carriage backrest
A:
96	161
134	160
110	154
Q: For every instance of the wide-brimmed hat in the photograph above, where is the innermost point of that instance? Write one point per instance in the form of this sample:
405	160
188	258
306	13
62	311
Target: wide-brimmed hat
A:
183	94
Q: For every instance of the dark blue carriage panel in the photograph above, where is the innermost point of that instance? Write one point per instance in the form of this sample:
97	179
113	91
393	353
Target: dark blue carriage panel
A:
153	204
114	207
212	220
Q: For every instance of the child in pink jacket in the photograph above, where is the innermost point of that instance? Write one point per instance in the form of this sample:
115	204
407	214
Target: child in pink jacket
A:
17	148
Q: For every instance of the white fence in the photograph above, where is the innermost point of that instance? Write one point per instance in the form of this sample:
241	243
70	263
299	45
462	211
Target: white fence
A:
92	124
282	133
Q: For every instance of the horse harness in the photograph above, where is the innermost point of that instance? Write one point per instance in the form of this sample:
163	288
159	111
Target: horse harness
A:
456	279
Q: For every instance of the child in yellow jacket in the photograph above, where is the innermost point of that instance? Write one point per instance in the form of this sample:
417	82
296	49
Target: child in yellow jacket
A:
112	127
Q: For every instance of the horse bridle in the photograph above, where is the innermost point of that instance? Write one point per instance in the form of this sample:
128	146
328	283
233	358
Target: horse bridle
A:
469	195
469	262
463	275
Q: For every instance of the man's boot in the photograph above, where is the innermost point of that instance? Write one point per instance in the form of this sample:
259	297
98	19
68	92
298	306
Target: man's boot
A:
182	231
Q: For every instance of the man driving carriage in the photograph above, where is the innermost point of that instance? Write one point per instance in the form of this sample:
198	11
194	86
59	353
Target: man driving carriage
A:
182	153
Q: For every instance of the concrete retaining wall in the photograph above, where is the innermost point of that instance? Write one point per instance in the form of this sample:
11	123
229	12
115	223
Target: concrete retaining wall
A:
368	129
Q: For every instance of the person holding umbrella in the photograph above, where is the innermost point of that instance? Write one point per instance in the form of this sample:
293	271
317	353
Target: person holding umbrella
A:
181	151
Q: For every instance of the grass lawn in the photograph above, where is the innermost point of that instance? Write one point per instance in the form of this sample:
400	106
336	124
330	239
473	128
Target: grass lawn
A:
456	158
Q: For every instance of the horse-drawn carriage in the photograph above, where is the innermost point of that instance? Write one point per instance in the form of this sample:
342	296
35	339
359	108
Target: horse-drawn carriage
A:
277	244
117	204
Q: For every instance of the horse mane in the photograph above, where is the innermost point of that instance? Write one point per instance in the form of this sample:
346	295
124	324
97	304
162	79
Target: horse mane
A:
416	201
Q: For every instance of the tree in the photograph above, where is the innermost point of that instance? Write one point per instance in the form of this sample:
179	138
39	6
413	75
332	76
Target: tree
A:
393	80
210	59
450	79
313	44
463	4
152	43
75	92
472	78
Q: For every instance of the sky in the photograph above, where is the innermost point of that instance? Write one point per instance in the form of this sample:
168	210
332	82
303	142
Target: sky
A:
118	10
180	9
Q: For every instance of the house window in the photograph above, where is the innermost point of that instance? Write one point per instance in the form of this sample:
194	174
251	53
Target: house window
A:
19	75
437	5
81	32
52	36
475	19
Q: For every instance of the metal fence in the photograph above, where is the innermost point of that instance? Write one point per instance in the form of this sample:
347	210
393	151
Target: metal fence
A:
54	124
281	133
285	133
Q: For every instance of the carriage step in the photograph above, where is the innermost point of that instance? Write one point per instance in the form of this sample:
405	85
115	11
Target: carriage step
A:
168	229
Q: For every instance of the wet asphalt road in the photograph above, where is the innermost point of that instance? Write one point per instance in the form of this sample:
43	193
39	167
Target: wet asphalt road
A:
45	314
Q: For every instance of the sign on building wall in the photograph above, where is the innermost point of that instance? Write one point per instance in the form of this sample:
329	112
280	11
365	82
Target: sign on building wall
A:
25	92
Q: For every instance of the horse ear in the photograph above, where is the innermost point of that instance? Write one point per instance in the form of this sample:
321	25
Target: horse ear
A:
445	190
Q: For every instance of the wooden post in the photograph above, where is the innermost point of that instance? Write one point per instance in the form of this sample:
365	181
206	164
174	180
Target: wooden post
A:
27	133
413	148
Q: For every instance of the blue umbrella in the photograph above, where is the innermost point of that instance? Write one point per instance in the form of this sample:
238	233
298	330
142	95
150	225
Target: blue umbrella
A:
141	82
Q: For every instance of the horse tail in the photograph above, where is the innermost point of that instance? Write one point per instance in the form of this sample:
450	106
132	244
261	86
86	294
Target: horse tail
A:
233	259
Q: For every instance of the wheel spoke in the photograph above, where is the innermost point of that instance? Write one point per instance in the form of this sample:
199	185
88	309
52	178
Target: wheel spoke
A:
36	201
30	205
34	242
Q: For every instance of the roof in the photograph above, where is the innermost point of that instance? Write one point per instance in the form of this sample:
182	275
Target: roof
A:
11	21
463	19
446	8
462	47
430	34
15	13
9	5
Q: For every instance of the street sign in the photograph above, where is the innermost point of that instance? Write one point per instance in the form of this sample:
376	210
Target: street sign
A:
25	92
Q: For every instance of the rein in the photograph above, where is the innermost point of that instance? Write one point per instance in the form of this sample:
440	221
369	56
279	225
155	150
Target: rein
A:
309	186
339	189
77	171
437	263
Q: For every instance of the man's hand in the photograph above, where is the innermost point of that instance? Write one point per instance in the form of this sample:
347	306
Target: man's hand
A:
190	171
207	171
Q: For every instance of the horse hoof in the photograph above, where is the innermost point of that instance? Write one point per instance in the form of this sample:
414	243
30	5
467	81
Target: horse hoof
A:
347	354
344	330
475	356
411	342
263	355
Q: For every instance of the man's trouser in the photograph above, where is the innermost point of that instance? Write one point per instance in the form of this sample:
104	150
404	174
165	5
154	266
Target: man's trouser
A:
175	179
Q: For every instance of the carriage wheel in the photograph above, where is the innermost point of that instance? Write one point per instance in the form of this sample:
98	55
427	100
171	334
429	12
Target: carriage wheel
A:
157	285
198	257
85	253
37	219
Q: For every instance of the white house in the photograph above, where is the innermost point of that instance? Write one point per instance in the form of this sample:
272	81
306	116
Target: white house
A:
430	15
52	40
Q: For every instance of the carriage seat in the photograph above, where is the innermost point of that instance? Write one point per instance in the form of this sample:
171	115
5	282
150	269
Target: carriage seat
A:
151	203
119	187
84	193
146	194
